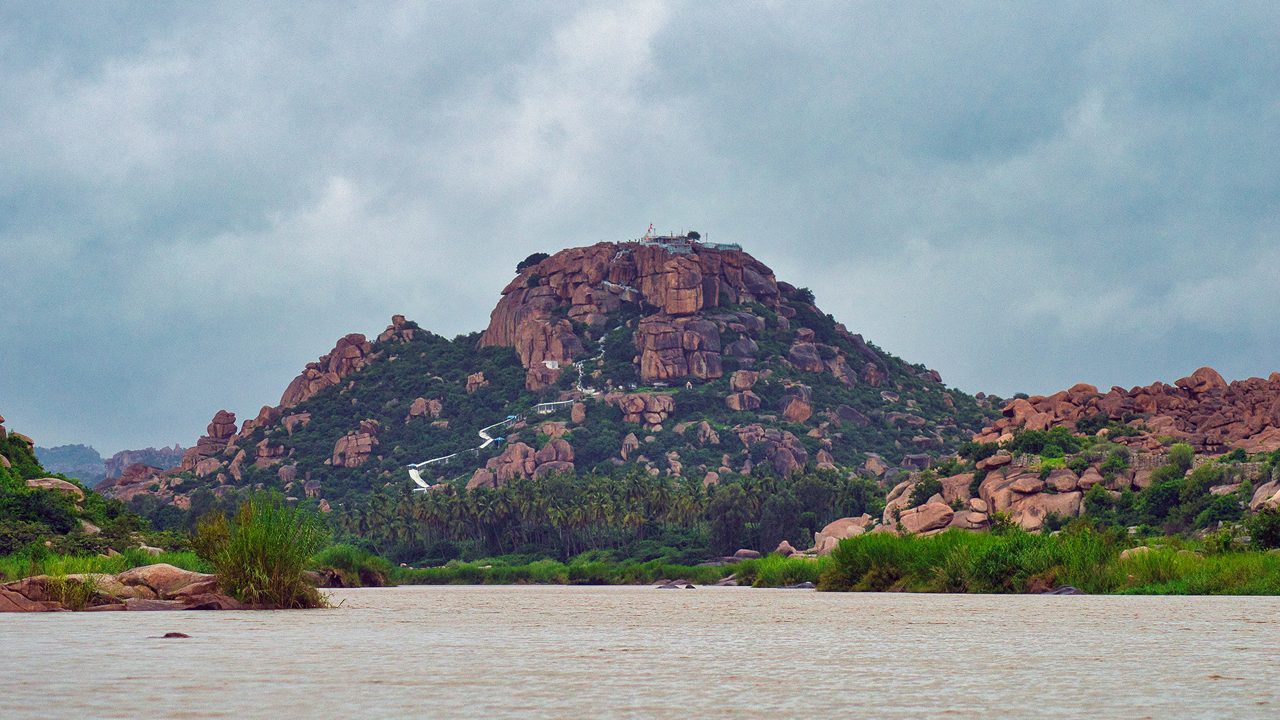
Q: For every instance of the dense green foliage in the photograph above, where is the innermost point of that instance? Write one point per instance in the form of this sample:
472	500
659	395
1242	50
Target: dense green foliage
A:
1178	501
1014	561
260	555
30	515
632	516
431	367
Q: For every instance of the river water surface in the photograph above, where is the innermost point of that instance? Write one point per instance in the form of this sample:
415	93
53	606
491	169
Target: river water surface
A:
549	651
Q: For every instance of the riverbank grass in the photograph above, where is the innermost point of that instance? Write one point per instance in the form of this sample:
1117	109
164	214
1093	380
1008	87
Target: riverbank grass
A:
38	561
1015	561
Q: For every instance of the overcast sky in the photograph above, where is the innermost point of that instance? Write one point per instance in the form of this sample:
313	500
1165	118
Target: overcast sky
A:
196	201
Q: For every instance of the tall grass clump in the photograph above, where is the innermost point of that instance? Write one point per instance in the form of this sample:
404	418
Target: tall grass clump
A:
774	571
73	593
260	555
578	571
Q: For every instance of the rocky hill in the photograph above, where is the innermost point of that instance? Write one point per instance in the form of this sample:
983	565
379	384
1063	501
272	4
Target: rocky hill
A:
1183	457
672	357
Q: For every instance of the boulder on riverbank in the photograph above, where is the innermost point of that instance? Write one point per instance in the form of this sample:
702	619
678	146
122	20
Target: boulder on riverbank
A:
150	587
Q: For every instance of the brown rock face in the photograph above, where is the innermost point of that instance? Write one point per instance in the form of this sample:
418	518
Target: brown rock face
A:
873	375
520	461
956	488
742	402
795	404
826	539
294	421
134	480
1204	380
400	330
673	348
743	380
806	358
630	444
678	278
1030	511
352	353
475	381
422	407
540	377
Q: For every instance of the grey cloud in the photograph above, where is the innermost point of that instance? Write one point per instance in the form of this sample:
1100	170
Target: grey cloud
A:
196	201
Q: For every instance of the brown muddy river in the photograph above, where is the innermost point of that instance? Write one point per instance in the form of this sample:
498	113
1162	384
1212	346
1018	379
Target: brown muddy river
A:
586	652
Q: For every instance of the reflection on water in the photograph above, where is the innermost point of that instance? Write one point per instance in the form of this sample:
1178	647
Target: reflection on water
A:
640	652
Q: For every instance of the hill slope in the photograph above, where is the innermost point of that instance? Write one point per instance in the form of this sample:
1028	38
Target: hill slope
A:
683	359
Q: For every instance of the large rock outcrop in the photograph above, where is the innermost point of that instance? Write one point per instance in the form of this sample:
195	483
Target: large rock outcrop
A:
783	450
674	278
211	444
352	353
353	449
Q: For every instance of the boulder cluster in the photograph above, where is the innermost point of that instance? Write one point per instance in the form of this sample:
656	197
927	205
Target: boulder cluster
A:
150	587
354	448
648	409
1202	410
519	461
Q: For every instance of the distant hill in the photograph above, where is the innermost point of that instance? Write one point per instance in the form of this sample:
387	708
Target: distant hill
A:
78	461
85	464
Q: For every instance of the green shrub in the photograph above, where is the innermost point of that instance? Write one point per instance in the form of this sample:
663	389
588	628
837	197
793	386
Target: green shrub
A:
925	488
530	261
1264	528
1181	455
260	554
1033	442
74	593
